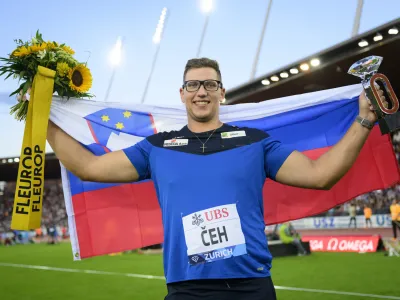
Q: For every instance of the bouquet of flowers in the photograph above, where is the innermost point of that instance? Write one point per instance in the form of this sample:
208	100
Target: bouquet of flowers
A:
72	79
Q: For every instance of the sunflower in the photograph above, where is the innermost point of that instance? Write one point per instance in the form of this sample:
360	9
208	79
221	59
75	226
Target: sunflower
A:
68	50
21	51
80	79
52	45
38	47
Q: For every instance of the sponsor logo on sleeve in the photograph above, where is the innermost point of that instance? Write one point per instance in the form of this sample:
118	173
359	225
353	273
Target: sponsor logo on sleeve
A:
233	134
176	142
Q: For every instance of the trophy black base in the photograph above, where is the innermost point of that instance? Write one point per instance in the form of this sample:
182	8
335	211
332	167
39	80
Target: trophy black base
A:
390	123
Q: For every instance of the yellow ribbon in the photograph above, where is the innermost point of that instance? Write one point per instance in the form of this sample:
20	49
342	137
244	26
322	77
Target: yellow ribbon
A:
27	211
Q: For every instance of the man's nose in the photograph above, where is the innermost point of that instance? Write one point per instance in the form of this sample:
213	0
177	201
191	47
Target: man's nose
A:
202	91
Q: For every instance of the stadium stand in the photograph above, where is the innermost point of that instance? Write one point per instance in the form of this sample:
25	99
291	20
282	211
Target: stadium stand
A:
54	221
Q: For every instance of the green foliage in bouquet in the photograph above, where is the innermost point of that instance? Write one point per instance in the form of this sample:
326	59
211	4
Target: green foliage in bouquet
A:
73	79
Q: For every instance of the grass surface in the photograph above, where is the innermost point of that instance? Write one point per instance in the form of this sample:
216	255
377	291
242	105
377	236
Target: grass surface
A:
344	272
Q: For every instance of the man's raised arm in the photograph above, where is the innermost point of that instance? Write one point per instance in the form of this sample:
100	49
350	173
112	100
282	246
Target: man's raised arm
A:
110	167
300	171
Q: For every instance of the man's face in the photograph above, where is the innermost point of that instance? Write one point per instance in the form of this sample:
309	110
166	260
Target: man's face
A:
202	104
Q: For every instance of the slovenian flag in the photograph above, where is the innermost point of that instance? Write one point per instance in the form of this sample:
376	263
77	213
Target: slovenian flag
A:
108	218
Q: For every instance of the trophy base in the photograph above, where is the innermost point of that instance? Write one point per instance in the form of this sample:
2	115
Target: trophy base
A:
390	123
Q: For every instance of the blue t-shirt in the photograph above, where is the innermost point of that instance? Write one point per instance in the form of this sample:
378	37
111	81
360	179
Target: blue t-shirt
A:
211	199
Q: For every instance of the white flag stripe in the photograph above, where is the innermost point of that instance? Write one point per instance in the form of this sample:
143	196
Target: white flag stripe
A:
228	113
80	130
70	213
122	141
251	111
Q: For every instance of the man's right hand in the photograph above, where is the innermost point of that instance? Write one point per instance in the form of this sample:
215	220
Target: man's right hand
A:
111	167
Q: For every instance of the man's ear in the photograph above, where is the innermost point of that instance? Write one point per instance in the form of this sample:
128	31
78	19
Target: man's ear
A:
181	92
222	95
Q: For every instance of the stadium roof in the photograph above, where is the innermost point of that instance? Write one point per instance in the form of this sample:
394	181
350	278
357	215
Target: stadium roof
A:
330	73
332	70
9	168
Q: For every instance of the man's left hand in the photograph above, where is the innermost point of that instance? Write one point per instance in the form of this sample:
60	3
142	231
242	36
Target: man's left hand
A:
367	110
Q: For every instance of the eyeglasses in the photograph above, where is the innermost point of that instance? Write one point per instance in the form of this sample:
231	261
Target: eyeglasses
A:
209	85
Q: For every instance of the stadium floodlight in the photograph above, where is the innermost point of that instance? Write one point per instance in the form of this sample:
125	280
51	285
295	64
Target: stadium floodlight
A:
284	75
378	37
10	160
393	30
157	37
265	82
304	67
207	6
294	71
275	78
16	159
4	161
160	27
116	53
363	43
315	62
115	60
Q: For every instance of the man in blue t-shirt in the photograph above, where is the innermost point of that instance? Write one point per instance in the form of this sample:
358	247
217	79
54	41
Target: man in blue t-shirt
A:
209	178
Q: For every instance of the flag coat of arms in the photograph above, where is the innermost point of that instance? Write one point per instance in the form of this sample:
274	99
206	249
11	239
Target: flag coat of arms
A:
106	218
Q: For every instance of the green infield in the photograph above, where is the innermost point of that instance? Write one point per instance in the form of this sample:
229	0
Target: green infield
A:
44	271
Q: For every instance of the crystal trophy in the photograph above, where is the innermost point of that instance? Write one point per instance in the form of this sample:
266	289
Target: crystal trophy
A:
367	70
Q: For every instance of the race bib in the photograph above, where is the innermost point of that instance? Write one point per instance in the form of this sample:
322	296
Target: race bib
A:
213	234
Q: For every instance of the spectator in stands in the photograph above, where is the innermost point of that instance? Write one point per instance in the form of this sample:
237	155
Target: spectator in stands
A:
395	213
53	206
53	235
367	215
6	239
288	235
353	214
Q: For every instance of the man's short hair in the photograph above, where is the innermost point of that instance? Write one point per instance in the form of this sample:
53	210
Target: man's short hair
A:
197	63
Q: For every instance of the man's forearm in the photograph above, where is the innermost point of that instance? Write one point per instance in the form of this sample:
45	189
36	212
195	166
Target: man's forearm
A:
71	154
334	164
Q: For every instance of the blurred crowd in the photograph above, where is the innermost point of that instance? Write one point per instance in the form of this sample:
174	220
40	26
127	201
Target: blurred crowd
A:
54	216
396	144
379	201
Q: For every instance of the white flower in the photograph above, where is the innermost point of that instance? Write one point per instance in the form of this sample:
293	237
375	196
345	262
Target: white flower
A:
26	97
41	54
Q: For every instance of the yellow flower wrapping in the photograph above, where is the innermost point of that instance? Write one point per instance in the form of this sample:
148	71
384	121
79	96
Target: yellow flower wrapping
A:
27	211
